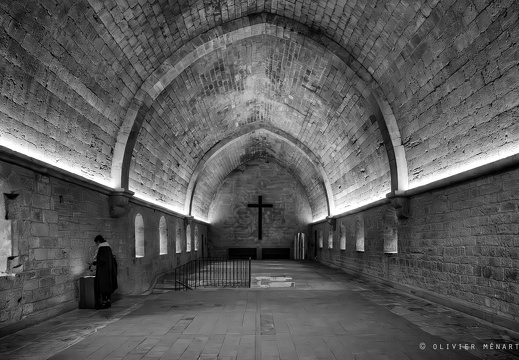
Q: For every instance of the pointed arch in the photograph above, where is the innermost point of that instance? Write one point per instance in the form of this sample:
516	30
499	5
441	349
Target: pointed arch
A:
221	37
277	133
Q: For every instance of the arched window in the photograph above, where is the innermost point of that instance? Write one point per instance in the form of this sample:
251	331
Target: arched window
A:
359	233
330	239
163	236
188	238
390	232
5	241
178	239
196	237
342	230
9	212
139	236
321	239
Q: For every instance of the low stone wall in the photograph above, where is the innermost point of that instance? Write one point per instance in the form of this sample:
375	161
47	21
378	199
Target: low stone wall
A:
460	244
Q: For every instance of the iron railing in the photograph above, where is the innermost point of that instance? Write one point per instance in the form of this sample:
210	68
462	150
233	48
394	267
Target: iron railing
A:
211	272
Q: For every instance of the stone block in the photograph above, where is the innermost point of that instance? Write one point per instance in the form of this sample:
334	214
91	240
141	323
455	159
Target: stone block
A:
40	201
56	254
40	229
27	309
39	254
5	316
6	283
31	285
47	282
41	294
50	216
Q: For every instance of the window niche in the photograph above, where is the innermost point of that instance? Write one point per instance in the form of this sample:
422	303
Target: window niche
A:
342	236
359	234
390	231
178	239
321	239
188	238
139	236
9	212
330	239
163	236
196	238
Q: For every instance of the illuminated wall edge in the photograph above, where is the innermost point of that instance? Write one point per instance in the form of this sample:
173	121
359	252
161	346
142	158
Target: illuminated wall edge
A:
465	167
18	159
12	157
147	201
26	154
501	165
15	158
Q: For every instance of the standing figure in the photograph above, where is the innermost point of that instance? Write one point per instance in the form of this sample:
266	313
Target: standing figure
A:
106	273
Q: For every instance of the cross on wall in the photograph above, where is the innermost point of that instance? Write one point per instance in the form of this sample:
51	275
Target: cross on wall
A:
260	207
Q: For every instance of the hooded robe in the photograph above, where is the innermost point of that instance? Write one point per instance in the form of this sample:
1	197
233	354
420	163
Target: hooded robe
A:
106	270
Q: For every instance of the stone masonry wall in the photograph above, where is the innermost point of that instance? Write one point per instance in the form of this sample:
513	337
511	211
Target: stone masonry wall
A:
460	243
454	89
234	225
53	224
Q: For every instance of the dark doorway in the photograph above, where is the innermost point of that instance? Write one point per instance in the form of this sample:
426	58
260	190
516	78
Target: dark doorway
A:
275	254
242	253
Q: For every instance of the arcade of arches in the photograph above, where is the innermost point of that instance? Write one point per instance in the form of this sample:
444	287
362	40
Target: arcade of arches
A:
385	132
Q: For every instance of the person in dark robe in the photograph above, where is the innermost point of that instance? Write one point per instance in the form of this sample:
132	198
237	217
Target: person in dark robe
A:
106	273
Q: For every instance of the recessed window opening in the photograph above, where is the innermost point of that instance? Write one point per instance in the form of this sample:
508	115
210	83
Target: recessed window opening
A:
196	238
178	240
359	234
139	236
188	238
163	236
342	234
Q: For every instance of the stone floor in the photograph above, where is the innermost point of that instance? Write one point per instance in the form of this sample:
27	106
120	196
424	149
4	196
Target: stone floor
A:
294	310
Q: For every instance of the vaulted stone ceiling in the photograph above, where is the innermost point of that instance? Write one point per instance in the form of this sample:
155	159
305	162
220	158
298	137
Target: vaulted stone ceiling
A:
165	98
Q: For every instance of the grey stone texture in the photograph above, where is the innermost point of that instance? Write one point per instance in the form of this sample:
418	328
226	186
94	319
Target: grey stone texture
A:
460	243
52	241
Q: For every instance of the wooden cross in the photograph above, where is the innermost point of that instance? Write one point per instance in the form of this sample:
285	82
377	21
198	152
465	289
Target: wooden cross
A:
260	207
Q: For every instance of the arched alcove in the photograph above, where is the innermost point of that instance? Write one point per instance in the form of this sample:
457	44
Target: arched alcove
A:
196	238
139	236
359	233
163	236
5	238
390	231
178	239
342	235
188	238
235	215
